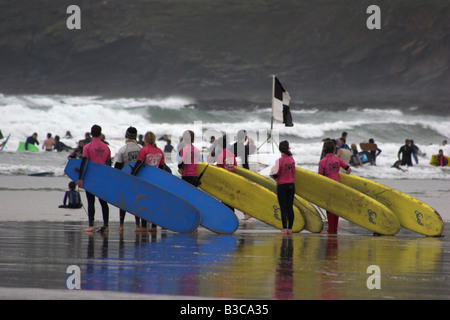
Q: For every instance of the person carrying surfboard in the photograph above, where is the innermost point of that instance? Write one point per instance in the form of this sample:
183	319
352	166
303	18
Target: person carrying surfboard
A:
329	167
153	156
95	151
284	173
189	158
226	159
127	153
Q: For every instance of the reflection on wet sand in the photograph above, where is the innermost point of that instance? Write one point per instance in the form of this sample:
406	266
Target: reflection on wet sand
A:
255	264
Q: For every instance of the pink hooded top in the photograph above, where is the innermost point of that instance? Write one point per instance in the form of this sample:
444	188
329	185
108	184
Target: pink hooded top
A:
284	169
190	156
97	151
329	166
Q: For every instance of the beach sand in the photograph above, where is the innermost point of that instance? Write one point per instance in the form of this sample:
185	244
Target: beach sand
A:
39	242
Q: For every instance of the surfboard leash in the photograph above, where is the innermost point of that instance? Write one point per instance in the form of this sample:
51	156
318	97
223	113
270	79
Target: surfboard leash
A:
201	174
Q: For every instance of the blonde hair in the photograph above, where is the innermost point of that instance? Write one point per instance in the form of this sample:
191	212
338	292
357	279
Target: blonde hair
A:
150	138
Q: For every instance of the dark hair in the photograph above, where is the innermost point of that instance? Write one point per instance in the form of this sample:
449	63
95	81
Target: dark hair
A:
222	143
241	135
328	147
284	148
131	133
72	185
96	130
188	134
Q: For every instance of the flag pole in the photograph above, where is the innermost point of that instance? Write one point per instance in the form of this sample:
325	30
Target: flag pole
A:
271	119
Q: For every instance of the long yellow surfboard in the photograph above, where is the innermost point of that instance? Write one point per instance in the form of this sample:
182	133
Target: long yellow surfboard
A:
244	195
412	214
313	220
345	202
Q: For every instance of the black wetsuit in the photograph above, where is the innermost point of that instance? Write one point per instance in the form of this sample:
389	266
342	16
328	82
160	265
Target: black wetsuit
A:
74	200
406	152
30	140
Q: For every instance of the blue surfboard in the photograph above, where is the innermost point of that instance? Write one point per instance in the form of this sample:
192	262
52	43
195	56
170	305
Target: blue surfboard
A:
215	216
136	196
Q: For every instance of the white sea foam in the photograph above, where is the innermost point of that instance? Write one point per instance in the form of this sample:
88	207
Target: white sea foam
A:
21	115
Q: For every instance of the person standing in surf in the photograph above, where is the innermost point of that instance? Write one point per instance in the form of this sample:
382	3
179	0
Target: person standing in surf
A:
406	151
49	143
153	156
127	153
95	151
284	173
329	167
31	140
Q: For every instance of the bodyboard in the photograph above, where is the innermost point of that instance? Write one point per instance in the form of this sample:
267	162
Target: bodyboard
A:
435	162
5	142
31	147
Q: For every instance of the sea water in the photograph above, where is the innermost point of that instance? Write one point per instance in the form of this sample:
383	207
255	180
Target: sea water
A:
22	115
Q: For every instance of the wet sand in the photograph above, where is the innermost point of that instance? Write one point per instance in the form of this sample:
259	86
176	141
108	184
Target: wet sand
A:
39	242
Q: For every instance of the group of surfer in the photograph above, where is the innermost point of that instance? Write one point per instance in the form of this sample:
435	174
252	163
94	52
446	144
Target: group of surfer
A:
189	156
336	157
49	144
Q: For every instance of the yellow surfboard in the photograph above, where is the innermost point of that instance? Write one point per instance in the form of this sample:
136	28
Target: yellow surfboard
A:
412	214
345	202
435	162
313	220
244	195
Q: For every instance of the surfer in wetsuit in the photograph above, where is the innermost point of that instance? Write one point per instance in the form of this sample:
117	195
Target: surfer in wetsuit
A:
441	159
406	151
60	146
129	152
227	160
95	151
189	159
240	149
72	196
329	167
374	153
284	173
356	159
153	156
343	152
31	140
